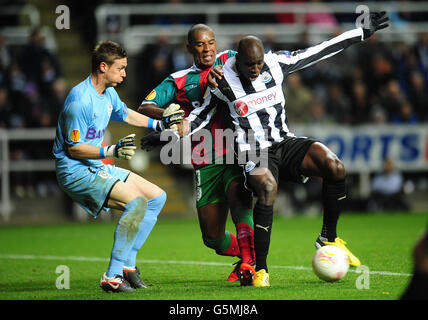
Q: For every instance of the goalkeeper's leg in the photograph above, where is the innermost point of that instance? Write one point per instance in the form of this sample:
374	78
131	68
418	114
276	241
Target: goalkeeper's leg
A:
136	222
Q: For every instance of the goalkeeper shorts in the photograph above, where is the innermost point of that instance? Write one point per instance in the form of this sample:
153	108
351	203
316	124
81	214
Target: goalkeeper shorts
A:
90	186
212	182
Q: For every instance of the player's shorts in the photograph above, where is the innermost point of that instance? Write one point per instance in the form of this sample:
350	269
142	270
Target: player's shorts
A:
212	182
91	186
284	159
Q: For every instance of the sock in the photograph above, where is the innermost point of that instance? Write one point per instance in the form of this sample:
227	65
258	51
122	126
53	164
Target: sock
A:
333	196
226	246
124	236
243	219
263	217
154	207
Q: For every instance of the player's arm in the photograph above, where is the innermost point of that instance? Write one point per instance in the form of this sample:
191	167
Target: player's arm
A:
201	116
151	110
123	149
159	98
299	59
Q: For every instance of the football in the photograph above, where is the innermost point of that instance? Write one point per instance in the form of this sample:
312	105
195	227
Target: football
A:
330	263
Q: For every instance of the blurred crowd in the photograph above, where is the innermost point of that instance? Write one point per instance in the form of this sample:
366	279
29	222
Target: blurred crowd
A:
374	82
31	86
32	92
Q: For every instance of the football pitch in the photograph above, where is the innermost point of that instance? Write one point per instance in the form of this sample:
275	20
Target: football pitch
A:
174	263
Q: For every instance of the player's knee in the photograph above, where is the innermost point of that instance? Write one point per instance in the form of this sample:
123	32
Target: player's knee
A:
159	201
136	206
269	189
335	169
212	243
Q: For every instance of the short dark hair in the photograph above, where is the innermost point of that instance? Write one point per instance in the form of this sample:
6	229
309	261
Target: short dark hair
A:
106	51
196	28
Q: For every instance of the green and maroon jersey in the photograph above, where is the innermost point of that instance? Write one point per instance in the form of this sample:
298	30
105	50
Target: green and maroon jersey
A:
187	88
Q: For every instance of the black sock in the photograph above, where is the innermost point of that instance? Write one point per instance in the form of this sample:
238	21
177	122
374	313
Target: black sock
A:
263	217
333	196
417	289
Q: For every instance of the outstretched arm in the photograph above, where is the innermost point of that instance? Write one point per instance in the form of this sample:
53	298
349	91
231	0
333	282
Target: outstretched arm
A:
299	59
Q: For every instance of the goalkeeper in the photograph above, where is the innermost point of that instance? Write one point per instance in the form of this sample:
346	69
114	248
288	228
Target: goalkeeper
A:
95	186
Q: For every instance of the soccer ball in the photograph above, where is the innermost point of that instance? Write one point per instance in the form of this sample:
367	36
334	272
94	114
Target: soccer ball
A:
330	263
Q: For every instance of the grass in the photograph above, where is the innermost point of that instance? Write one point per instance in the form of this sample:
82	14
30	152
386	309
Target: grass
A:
176	265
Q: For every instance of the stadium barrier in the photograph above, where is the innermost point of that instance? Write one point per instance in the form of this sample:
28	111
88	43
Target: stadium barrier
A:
29	15
8	166
364	148
134	36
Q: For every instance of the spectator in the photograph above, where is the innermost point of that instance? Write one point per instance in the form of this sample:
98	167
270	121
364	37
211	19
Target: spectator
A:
391	98
361	108
338	105
378	116
418	95
154	60
34	55
406	114
5	58
323	18
318	114
387	190
299	99
421	50
6	111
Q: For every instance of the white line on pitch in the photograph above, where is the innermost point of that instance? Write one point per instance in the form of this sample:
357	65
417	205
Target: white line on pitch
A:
205	263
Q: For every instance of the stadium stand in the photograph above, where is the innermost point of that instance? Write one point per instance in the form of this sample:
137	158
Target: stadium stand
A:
380	83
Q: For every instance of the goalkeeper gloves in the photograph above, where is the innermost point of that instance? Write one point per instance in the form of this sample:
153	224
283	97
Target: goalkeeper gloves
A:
170	117
378	21
124	149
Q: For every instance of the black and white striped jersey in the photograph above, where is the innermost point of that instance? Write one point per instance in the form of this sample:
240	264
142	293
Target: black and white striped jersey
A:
257	107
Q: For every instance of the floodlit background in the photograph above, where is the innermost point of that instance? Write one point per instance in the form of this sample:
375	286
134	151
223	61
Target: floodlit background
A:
369	103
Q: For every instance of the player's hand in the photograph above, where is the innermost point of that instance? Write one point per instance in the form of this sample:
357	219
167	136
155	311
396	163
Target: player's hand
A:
124	149
183	128
153	140
378	21
215	74
171	116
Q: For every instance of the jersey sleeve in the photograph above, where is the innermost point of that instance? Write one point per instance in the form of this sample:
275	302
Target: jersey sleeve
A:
120	110
223	56
75	124
299	59
163	94
201	116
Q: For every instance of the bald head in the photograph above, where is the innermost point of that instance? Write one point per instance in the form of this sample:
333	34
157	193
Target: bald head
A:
250	43
250	57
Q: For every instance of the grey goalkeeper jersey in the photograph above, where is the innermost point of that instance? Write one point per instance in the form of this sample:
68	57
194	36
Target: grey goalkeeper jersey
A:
257	108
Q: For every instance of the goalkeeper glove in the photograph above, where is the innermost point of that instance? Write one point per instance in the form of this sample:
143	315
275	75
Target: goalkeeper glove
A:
124	149
378	21
170	117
